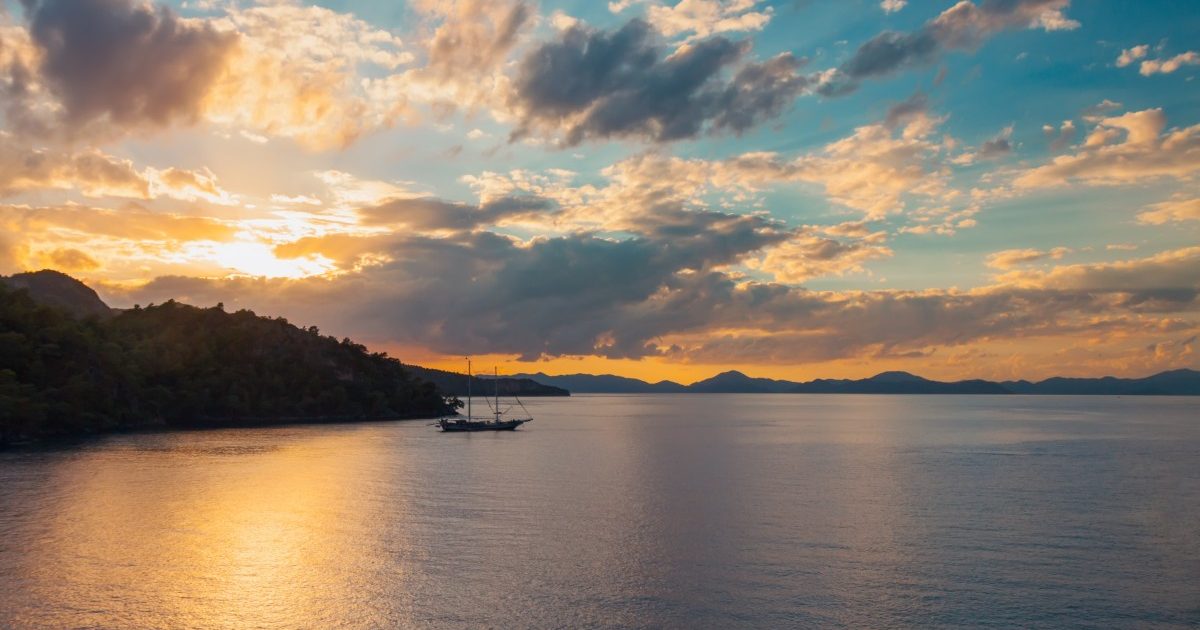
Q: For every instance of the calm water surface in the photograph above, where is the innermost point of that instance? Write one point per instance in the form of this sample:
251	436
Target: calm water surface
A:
663	511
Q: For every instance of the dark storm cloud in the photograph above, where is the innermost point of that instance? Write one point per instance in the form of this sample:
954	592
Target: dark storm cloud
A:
123	61
888	51
18	81
601	84
830	249
758	92
480	291
429	213
964	25
901	112
994	148
582	295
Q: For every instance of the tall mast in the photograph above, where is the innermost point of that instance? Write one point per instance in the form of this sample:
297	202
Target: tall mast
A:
496	378
468	388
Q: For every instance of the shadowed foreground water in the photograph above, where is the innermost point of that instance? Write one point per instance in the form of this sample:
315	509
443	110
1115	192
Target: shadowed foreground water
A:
670	510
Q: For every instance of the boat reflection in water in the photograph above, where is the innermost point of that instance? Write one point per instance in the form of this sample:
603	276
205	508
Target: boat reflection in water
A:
496	423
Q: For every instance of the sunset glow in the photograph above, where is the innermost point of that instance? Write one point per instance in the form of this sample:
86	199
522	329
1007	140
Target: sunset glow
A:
653	189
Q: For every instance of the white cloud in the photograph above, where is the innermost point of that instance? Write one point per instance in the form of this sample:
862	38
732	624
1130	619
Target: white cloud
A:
1129	148
1150	67
1130	55
706	17
1167	66
297	73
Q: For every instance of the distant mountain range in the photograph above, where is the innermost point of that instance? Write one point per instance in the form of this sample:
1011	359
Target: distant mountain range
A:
604	384
1182	382
455	384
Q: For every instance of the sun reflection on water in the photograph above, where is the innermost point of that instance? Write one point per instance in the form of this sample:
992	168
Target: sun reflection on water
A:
246	540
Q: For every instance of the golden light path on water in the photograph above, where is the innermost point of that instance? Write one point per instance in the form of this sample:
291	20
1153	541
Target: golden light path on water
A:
256	529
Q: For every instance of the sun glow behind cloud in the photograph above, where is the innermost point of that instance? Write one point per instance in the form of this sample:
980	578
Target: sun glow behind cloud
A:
258	259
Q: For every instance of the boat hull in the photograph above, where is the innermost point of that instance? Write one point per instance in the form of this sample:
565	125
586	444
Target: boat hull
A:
469	426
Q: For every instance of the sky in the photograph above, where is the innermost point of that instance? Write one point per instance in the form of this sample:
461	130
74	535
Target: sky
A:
651	188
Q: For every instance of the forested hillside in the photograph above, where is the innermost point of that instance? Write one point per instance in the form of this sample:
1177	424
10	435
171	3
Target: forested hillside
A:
178	365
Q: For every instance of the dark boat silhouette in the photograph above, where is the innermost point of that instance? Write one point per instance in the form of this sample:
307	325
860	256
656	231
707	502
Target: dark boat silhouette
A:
496	423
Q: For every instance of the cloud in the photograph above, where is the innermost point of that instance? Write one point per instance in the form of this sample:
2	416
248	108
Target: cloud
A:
350	192
647	297
70	259
606	84
906	110
20	92
1167	66
91	173
308	73
430	214
188	185
1010	258
994	148
569	294
9	255
892	6
1150	67
124	63
1095	113
1062	137
291	200
681	258
101	69
127	242
1132	147
963	26
703	18
876	167
878	170
652	197
475	35
1173	351
1130	55
1177	209
1165	280
1062	307
811	254
131	224
465	56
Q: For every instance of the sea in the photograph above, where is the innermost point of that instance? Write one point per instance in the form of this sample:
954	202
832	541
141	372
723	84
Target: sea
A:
616	511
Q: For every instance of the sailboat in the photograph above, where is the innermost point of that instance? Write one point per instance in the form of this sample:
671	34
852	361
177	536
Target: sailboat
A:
496	423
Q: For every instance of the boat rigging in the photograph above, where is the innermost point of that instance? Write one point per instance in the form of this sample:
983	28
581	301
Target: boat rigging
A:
496	423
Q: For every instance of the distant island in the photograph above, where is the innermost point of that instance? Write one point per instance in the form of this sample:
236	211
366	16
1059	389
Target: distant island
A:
71	366
1183	382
